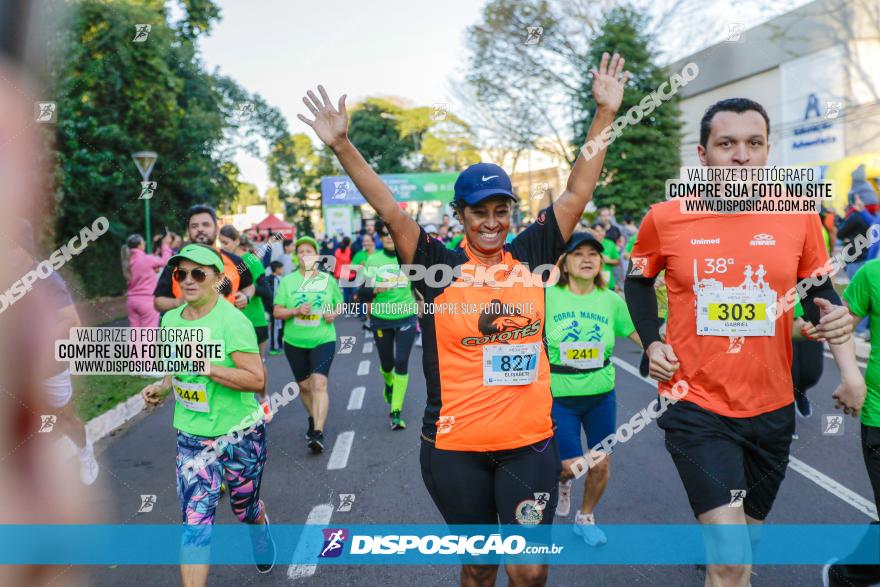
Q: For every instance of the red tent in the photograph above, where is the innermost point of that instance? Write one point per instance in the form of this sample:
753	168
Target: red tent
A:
272	224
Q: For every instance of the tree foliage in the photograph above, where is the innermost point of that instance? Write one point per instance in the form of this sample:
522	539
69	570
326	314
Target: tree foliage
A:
646	154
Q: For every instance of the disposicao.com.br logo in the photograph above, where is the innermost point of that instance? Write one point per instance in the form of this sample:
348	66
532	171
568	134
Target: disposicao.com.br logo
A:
476	545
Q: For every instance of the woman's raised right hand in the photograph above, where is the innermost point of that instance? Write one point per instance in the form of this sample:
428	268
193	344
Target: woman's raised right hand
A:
330	124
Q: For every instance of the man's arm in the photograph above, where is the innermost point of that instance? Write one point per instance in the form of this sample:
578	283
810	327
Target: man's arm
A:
608	86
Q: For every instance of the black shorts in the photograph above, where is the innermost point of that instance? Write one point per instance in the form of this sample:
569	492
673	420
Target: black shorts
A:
516	486
304	362
262	333
719	457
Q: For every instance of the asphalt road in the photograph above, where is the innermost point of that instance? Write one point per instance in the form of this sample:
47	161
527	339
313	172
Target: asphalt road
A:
382	471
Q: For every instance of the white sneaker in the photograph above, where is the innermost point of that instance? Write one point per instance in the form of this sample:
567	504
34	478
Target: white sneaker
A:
419	340
585	527
88	466
563	506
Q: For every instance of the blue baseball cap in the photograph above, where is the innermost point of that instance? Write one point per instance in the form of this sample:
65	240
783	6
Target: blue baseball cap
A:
481	181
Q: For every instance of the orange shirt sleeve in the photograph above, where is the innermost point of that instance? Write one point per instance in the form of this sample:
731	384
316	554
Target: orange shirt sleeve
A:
647	258
814	254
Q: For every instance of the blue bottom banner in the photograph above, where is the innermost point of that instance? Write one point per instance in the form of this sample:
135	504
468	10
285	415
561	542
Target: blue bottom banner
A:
646	544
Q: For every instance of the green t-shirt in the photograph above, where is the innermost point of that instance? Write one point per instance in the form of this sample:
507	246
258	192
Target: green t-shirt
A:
255	311
455	242
862	295
398	301
609	249
323	293
798	309
630	244
226	408
598	316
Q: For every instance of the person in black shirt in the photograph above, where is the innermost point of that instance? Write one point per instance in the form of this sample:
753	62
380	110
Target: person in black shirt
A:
201	226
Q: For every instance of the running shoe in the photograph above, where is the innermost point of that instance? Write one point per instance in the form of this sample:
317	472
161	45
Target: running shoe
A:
274	353
397	422
223	488
803	405
388	390
316	442
585	527
419	340
311	429
264	546
563	507
88	466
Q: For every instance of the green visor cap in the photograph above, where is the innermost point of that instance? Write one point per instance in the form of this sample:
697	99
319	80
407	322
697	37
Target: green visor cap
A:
201	254
306	239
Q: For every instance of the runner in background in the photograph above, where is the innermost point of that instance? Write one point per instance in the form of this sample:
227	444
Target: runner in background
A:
237	287
235	243
57	385
343	255
308	300
583	319
141	272
807	360
862	296
392	320
214	405
276	269
488	455
610	256
357	263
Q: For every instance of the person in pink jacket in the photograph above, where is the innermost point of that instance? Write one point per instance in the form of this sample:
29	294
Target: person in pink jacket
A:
141	271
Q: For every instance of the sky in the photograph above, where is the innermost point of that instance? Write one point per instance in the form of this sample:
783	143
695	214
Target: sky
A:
412	49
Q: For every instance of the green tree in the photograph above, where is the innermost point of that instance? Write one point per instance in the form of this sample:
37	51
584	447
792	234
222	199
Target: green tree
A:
645	155
115	97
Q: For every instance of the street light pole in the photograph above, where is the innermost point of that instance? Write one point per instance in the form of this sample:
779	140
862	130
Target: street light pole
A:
145	160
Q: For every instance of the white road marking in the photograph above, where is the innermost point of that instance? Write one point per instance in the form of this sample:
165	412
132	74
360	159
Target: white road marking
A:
849	496
633	371
309	545
368	348
341	450
364	367
865	506
356	399
368	334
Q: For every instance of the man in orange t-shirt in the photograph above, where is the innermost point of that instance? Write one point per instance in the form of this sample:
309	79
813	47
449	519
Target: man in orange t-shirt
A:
729	437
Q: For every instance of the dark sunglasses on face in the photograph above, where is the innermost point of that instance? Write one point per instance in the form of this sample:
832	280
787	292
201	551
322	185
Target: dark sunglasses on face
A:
198	275
384	233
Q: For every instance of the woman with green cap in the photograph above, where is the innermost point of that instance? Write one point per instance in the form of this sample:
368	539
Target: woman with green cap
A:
308	301
216	404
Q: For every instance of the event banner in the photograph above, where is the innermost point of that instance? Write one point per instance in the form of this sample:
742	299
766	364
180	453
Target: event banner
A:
406	187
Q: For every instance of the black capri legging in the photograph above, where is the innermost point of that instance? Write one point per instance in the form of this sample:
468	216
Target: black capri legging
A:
395	346
807	357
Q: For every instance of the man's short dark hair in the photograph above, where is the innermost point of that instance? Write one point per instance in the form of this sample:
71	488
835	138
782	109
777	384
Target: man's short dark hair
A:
276	265
738	105
200	209
287	242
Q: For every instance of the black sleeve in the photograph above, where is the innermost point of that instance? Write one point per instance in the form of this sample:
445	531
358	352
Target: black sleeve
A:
163	286
541	243
263	291
430	251
641	300
852	226
826	291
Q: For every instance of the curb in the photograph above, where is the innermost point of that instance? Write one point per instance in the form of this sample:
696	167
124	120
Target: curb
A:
101	426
